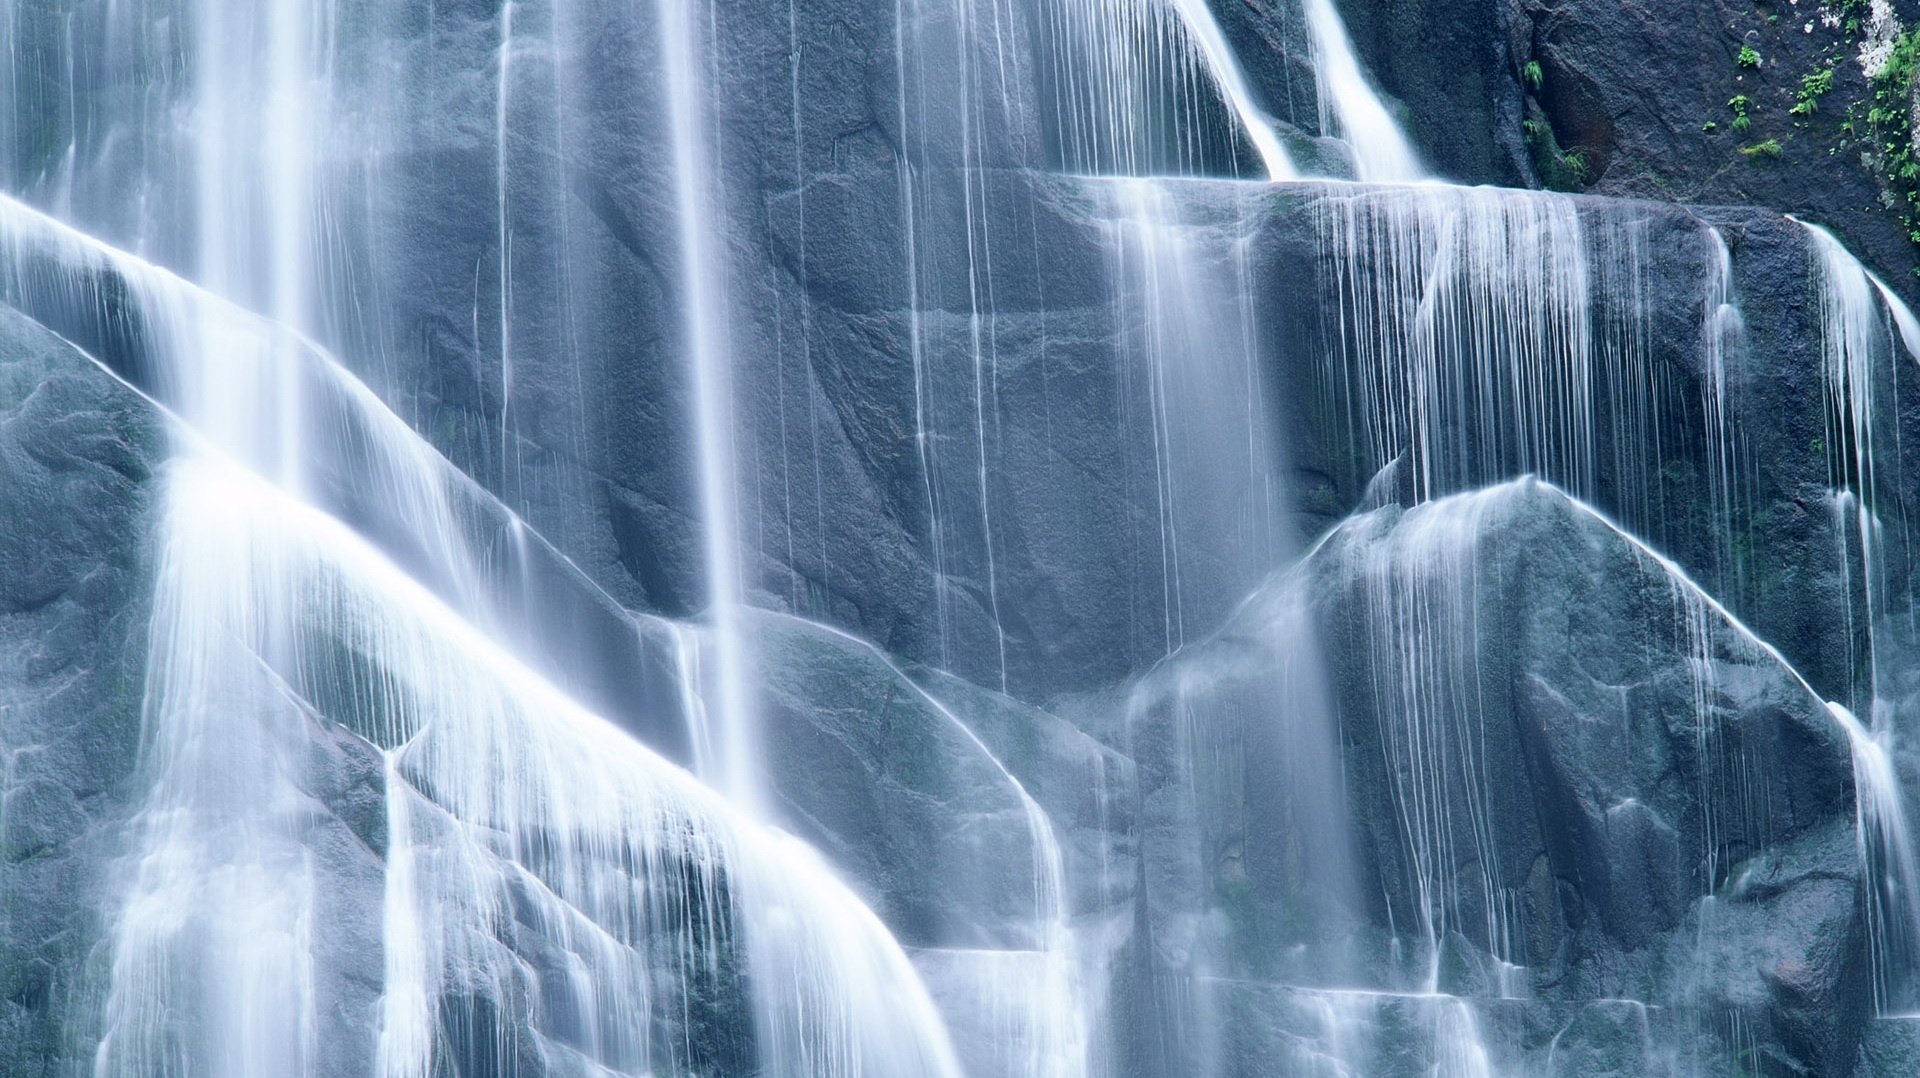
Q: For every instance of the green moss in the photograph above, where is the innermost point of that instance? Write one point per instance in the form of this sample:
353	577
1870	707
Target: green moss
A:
1560	170
1769	148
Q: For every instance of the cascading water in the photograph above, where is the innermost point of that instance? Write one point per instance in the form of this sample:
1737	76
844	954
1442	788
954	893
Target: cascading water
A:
1216	480
1723	335
1349	105
1862	321
709	356
273	622
1496	313
566	394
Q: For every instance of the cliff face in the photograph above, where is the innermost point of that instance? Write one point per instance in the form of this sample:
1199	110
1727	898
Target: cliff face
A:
1210	626
1767	104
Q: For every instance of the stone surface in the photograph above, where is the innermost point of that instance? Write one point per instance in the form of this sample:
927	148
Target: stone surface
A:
949	442
77	458
1551	760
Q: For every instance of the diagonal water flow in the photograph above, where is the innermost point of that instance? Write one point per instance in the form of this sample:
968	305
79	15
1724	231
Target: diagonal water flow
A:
1222	65
1132	88
1888	856
571	886
446	558
271	616
657	889
215	364
1036	997
1350	107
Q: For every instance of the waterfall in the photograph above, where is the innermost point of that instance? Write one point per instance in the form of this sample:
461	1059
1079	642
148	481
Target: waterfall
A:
1861	320
944	537
1349	105
1198	21
272	618
1886	847
1216	478
1421	582
1480	310
1129	77
1420	585
709	355
1724	336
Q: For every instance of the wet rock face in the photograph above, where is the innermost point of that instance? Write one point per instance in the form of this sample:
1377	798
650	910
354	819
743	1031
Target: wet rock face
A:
1601	802
1566	780
77	454
1639	89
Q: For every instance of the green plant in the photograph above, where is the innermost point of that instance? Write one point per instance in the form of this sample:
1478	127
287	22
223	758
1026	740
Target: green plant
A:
1769	148
1710	126
1889	132
1749	57
1533	74
1850	10
1560	170
1812	88
1739	103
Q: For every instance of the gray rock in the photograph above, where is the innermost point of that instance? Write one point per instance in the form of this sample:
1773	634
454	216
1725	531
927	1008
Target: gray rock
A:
1562	776
77	453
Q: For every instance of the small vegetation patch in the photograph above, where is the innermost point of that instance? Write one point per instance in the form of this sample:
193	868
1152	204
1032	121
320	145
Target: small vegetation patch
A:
1560	170
1741	104
1866	56
1813	87
1889	130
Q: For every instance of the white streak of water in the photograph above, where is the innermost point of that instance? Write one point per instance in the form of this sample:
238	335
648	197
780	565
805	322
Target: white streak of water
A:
1132	77
709	354
1724	339
1863	327
1467	331
272	621
1350	106
1197	17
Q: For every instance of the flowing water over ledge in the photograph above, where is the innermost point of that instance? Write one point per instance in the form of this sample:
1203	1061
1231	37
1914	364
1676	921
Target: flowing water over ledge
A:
680	550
